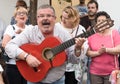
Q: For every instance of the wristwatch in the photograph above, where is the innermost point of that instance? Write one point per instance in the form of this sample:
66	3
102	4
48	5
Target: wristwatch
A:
25	56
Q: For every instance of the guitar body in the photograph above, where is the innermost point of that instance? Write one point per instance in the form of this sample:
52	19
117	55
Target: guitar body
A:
38	51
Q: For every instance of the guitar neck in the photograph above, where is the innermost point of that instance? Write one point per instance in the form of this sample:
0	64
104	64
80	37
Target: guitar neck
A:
71	41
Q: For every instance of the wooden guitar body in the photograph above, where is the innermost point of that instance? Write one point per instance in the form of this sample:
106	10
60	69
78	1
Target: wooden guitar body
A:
38	51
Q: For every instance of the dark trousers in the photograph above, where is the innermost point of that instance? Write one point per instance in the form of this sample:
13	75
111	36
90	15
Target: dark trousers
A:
70	78
14	76
99	79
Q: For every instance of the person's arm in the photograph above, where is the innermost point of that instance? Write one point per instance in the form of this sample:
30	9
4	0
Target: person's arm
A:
115	36
8	34
1	77
92	53
13	49
30	59
78	46
6	39
114	51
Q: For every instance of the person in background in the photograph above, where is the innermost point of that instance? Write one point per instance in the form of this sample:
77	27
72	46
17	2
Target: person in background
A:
82	8
23	4
1	72
119	54
1	78
70	22
3	75
12	31
103	47
88	22
46	27
2	30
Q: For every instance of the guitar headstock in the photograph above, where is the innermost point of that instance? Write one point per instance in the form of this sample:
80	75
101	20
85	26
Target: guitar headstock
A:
104	25
97	28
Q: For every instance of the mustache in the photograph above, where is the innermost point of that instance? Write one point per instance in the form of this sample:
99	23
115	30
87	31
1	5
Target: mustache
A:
45	23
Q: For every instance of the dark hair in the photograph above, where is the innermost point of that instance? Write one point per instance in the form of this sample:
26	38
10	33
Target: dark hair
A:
21	3
102	13
93	1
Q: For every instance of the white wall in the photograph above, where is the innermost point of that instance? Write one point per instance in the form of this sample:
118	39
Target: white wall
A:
7	8
112	7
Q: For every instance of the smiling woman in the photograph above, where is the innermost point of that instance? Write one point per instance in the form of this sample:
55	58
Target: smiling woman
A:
20	3
12	31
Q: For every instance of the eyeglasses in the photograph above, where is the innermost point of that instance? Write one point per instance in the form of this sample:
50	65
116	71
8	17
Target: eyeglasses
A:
48	16
21	13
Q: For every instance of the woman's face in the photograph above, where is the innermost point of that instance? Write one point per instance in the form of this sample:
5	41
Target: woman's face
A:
103	26
101	19
21	16
67	22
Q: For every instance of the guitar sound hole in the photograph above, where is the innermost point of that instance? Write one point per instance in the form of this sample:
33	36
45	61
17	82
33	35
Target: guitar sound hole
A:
48	54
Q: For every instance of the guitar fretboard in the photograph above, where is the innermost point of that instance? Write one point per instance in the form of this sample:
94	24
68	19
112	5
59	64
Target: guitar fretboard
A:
71	42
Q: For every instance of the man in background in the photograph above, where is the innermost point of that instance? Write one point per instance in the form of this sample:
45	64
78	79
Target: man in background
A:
89	20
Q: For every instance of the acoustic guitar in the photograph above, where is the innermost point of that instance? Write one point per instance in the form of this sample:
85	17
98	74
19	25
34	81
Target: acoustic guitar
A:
51	53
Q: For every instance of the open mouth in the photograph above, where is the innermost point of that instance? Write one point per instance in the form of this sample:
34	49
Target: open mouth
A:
22	18
45	22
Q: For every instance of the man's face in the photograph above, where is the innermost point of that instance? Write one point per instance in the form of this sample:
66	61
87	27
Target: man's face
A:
46	20
92	10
